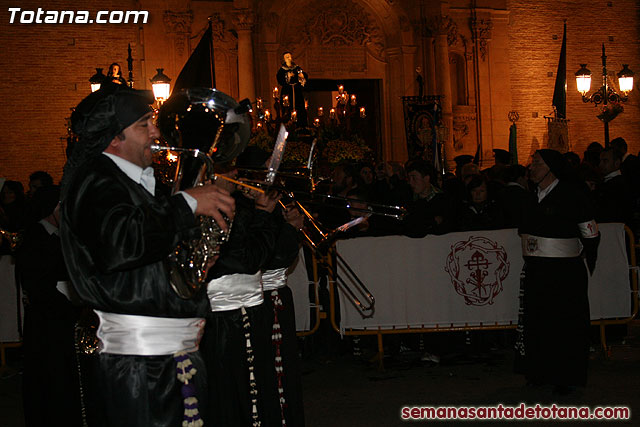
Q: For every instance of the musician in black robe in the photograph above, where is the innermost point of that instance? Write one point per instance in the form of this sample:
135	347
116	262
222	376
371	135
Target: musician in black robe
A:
292	80
50	388
116	230
235	345
558	232
285	384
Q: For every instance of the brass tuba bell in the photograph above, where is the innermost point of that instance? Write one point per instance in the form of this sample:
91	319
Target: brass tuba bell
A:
200	126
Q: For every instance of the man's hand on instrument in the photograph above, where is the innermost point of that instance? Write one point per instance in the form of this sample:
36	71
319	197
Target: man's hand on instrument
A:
214	201
293	216
267	201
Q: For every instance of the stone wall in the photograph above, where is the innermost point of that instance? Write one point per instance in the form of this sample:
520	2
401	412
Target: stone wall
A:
535	38
46	67
45	72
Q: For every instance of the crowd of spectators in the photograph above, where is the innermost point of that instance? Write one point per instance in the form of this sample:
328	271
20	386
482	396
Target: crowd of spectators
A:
474	199
17	207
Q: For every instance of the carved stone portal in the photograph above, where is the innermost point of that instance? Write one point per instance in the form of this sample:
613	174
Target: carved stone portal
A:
481	31
336	36
178	25
441	25
464	127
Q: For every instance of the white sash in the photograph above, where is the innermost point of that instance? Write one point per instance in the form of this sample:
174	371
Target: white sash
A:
148	336
234	291
274	279
547	247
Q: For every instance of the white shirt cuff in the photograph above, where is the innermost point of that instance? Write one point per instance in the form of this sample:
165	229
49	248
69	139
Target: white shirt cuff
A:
191	201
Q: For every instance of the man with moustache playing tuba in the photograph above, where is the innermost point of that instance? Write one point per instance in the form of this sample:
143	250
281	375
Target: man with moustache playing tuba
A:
116	229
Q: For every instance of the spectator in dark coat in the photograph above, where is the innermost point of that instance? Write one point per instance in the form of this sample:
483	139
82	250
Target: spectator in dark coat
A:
480	212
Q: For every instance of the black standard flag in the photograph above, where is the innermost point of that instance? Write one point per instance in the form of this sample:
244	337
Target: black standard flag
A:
199	71
560	91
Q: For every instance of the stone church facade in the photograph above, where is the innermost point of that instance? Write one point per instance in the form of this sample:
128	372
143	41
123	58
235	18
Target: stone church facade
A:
485	58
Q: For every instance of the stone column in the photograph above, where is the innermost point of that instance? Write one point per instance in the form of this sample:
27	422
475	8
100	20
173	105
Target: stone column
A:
481	26
442	26
430	67
396	149
273	64
409	59
244	20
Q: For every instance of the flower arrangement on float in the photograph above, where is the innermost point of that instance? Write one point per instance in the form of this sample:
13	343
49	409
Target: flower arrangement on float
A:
330	148
339	150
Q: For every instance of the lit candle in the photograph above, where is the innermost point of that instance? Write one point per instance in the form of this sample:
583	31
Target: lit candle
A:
320	111
285	100
259	125
362	113
259	103
267	115
306	104
316	123
353	100
343	98
332	113
340	89
276	92
294	115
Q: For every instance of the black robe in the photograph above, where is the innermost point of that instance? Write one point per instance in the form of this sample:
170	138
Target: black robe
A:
115	237
284	254
556	304
250	244
51	391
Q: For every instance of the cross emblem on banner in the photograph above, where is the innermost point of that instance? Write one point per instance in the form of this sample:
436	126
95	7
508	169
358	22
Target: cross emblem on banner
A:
478	266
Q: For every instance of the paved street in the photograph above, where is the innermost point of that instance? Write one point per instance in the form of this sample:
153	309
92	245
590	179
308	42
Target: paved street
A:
343	390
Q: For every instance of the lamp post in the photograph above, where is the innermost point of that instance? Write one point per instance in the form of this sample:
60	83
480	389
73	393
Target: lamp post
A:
161	86
605	95
97	79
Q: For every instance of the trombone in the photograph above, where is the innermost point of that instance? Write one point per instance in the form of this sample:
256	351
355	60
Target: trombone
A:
311	197
320	246
320	242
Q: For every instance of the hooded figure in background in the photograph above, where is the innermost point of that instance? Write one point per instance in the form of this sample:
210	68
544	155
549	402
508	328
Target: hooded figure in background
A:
558	232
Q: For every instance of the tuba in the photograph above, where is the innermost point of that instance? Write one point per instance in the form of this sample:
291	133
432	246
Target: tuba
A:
200	126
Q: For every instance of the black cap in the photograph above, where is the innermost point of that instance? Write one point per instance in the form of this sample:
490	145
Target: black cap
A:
108	111
98	119
463	159
555	160
502	156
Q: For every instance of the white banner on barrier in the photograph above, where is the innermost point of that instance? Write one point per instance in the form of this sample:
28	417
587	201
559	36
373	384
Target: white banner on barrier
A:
465	278
299	284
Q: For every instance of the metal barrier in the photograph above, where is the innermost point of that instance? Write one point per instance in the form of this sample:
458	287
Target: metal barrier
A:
632	247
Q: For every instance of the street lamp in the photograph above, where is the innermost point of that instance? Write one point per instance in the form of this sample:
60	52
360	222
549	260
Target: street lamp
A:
97	79
625	79
605	95
161	86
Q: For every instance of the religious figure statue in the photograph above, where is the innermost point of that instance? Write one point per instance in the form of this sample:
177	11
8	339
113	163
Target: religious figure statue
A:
292	80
